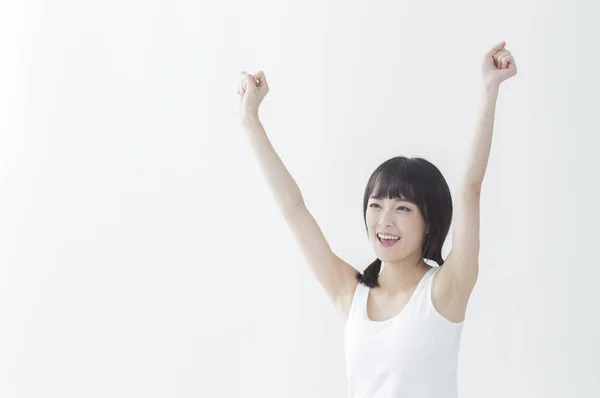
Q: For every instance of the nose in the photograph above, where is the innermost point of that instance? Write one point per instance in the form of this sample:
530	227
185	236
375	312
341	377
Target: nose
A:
385	219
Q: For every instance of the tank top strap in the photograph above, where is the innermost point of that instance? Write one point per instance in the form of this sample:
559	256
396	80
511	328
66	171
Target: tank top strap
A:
359	298
422	294
427	284
429	278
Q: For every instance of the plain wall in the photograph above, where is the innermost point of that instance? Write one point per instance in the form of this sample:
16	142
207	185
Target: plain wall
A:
142	254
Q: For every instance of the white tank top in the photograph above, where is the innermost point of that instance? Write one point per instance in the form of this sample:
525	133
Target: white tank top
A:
411	355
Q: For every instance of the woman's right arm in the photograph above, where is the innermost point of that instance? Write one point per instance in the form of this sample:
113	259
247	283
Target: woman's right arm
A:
336	276
283	187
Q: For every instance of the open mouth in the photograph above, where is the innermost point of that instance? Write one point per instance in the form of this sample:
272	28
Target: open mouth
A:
387	242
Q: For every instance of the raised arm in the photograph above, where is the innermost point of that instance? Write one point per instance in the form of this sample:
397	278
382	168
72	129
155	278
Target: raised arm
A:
498	65
462	264
335	275
283	187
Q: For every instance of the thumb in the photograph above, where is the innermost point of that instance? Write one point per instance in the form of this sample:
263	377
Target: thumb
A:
261	78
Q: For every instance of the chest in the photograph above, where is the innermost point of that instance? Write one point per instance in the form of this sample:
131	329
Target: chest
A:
445	300
398	343
381	309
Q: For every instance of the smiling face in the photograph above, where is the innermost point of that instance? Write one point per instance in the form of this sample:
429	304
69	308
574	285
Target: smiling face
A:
403	196
399	217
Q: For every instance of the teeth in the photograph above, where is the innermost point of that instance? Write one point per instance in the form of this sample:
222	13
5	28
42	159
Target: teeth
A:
387	236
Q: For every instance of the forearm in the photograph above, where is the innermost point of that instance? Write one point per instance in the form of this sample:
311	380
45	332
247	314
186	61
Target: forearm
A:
481	142
283	187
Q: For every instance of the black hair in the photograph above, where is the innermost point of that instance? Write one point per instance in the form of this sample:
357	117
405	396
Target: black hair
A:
422	183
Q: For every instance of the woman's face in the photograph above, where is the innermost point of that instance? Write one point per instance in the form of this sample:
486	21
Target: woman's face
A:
397	217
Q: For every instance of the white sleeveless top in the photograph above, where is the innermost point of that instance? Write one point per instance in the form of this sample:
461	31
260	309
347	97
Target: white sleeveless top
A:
412	355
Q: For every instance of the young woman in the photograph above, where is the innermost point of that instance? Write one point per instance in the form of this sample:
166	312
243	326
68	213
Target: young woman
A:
403	318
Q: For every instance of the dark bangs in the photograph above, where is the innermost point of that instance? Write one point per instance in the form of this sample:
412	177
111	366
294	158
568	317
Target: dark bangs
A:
403	178
394	182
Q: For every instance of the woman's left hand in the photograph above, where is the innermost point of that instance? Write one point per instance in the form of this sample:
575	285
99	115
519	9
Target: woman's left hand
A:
498	65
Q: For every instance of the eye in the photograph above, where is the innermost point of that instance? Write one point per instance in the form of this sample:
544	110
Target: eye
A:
399	207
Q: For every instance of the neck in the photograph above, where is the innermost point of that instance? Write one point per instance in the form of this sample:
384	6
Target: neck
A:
398	276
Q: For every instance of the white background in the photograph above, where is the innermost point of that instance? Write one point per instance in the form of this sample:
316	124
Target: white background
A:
141	251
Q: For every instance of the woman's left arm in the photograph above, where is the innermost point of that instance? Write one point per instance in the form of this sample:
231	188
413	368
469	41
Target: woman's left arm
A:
481	142
462	262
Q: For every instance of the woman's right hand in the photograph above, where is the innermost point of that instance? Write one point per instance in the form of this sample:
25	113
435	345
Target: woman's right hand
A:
252	90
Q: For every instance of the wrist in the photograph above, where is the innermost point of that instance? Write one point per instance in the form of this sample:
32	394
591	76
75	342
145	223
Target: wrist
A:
489	86
250	116
250	120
